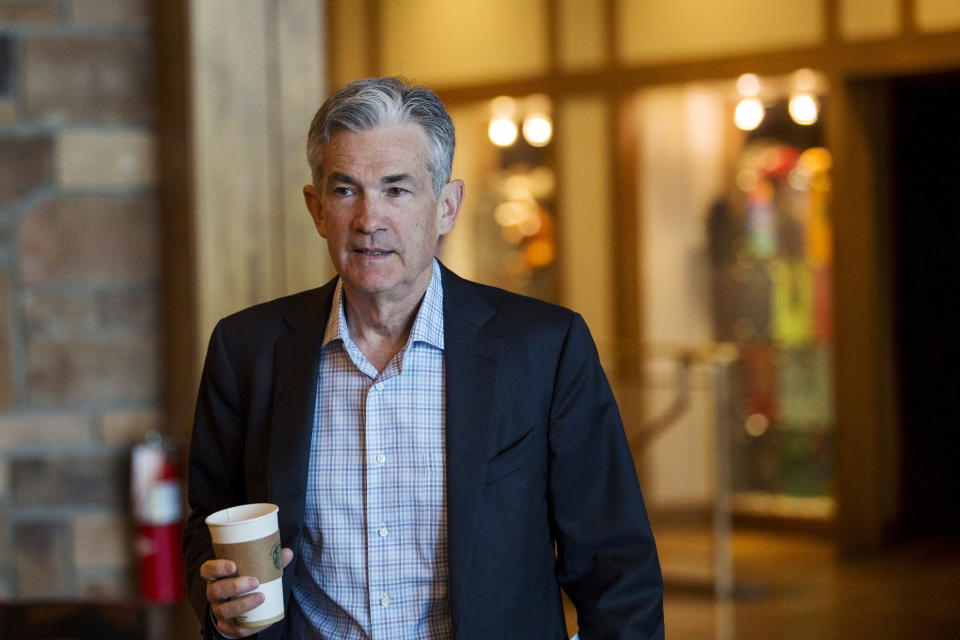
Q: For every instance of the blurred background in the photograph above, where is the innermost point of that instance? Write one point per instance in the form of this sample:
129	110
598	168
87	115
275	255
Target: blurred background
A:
752	203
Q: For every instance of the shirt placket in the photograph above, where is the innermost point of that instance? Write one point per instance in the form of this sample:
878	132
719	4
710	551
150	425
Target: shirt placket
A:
381	480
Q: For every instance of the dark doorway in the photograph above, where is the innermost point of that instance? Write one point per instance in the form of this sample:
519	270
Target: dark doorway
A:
925	188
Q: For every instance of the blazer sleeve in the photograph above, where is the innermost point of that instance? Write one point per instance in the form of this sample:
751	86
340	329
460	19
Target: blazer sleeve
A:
607	560
216	465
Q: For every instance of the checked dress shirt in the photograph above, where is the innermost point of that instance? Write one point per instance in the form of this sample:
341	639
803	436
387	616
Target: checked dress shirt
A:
373	561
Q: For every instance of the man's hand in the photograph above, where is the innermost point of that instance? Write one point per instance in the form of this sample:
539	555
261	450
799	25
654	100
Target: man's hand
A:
223	594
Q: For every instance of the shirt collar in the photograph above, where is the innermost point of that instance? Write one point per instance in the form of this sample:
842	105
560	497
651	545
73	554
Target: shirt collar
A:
427	326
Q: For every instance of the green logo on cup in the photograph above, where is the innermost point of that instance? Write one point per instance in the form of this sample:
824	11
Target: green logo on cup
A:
275	555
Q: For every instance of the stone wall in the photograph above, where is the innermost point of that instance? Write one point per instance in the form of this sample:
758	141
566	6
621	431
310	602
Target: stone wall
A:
79	265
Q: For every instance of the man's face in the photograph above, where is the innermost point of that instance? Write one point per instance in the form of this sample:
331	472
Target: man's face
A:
376	207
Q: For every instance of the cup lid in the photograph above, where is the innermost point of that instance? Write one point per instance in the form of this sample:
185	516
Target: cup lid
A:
244	514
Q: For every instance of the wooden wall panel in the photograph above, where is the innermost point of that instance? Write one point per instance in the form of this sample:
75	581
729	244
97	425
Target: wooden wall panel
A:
584	216
257	79
239	83
300	37
232	164
866	473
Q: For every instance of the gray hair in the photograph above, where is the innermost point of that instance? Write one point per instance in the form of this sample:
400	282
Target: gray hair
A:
372	102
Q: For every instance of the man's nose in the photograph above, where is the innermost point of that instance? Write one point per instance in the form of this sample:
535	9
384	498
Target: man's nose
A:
369	216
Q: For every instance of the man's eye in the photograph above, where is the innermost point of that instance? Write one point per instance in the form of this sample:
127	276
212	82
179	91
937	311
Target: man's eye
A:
343	191
395	191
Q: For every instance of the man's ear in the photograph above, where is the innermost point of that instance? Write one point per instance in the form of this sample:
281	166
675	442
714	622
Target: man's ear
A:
448	207
312	200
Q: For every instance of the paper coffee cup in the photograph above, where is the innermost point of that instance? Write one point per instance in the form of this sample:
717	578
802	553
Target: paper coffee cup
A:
249	536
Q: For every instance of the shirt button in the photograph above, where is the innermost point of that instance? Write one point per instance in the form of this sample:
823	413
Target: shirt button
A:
378	386
381	458
382	532
385	600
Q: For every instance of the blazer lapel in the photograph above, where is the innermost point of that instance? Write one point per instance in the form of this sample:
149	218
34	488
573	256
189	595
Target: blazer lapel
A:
472	357
296	359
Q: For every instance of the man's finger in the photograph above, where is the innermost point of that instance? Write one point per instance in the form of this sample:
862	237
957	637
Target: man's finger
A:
216	569
228	610
286	555
228	588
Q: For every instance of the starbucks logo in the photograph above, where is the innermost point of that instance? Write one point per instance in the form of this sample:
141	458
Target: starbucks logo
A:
275	556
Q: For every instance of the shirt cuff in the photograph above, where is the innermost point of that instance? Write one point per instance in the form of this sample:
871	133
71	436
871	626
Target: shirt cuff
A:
216	629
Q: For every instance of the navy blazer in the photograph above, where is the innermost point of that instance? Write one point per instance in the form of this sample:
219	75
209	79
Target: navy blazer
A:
541	489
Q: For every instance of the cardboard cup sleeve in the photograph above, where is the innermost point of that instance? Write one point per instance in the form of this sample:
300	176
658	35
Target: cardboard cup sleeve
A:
248	535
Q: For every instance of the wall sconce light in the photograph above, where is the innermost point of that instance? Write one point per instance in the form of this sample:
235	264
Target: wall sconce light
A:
749	112
804	107
502	130
537	124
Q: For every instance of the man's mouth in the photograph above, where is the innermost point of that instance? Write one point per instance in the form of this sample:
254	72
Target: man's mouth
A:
373	252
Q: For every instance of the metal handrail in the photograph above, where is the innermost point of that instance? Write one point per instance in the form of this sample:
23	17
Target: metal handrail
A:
711	352
720	356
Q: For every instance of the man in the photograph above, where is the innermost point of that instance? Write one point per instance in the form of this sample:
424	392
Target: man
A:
446	456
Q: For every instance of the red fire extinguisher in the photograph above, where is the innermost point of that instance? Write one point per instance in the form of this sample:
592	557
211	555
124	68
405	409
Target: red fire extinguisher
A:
157	506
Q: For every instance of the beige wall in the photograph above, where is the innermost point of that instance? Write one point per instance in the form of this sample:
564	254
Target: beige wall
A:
682	153
690	29
865	19
455	43
582	35
470	164
937	15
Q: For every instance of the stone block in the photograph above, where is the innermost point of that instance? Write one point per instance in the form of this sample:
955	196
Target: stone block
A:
111	585
94	368
29	11
101	541
7	394
32	429
59	312
129	309
92	480
42	560
95	239
88	79
125	12
126	427
25	164
116	159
